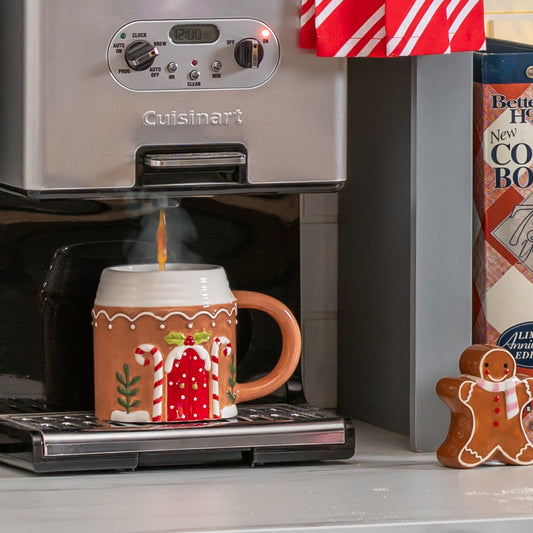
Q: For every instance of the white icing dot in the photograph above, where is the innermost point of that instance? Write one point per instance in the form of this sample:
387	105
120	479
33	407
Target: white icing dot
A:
183	397
176	365
205	384
132	326
162	326
195	358
195	415
213	324
96	324
182	416
229	321
173	407
109	326
192	379
171	383
190	325
204	406
195	399
183	375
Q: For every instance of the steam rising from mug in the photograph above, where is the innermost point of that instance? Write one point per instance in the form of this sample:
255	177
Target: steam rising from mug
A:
180	231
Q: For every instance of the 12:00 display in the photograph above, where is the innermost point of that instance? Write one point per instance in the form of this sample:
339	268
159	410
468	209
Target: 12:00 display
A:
194	33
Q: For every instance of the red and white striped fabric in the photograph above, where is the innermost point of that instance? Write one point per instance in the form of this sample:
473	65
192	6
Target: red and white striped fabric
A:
391	28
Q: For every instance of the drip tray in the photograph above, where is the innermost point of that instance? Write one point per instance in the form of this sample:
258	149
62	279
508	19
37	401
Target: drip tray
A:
53	442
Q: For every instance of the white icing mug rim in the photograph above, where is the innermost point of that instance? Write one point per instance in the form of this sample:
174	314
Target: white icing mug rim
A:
179	285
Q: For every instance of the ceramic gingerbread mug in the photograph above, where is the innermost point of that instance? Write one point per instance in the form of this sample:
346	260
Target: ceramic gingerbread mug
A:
164	344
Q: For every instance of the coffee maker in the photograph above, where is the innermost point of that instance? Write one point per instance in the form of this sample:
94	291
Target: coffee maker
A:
209	109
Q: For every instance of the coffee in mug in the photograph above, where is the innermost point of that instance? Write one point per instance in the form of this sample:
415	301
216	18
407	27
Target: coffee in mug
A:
164	344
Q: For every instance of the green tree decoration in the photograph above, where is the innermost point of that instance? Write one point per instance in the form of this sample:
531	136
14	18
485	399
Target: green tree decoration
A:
126	390
232	380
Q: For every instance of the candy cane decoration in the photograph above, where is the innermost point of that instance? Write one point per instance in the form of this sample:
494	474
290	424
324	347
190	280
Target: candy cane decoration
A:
140	357
215	349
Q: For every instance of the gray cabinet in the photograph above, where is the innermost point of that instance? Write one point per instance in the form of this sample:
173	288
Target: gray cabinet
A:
405	241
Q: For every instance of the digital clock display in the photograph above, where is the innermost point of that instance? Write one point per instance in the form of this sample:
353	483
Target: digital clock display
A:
194	33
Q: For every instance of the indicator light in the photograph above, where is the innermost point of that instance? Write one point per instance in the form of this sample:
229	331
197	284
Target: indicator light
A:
122	35
194	62
265	33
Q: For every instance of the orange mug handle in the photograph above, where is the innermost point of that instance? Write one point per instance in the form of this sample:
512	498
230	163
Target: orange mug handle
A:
290	351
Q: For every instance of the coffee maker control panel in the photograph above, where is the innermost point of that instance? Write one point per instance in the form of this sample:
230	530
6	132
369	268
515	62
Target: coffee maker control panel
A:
172	55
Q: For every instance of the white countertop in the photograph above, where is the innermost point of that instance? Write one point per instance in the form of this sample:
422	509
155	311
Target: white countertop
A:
385	487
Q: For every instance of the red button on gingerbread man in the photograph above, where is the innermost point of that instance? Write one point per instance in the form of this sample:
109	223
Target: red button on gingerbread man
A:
486	405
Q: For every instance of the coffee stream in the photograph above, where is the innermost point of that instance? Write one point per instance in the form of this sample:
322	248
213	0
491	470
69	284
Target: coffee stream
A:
161	238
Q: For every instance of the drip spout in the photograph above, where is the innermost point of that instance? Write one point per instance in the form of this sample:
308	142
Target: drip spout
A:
163	202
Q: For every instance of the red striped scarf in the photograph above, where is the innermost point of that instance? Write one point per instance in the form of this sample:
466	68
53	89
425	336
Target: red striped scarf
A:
508	387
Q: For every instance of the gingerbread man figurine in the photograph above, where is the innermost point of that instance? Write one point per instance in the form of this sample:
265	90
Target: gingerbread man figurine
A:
486	405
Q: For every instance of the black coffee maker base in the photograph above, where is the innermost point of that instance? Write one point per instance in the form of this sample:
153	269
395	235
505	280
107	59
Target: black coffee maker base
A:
260	434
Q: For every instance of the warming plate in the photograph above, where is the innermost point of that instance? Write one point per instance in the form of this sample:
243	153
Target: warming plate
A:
51	442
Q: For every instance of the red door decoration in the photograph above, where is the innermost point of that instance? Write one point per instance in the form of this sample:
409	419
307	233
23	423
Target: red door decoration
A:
191	391
187	368
391	28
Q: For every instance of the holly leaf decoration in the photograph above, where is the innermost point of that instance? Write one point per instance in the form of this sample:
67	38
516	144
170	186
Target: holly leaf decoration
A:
201	337
175	338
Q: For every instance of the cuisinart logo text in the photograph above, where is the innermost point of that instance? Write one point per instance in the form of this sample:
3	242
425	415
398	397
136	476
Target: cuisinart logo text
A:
193	118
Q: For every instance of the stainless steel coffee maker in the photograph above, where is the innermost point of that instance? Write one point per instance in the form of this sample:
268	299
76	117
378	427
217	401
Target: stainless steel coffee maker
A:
210	109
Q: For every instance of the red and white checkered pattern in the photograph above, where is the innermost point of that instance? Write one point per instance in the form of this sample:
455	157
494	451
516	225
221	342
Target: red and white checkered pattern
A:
391	28
495	269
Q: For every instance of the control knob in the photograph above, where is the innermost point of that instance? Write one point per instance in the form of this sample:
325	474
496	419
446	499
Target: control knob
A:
249	53
140	55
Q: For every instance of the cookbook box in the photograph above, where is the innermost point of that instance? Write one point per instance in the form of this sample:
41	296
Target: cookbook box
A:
503	202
